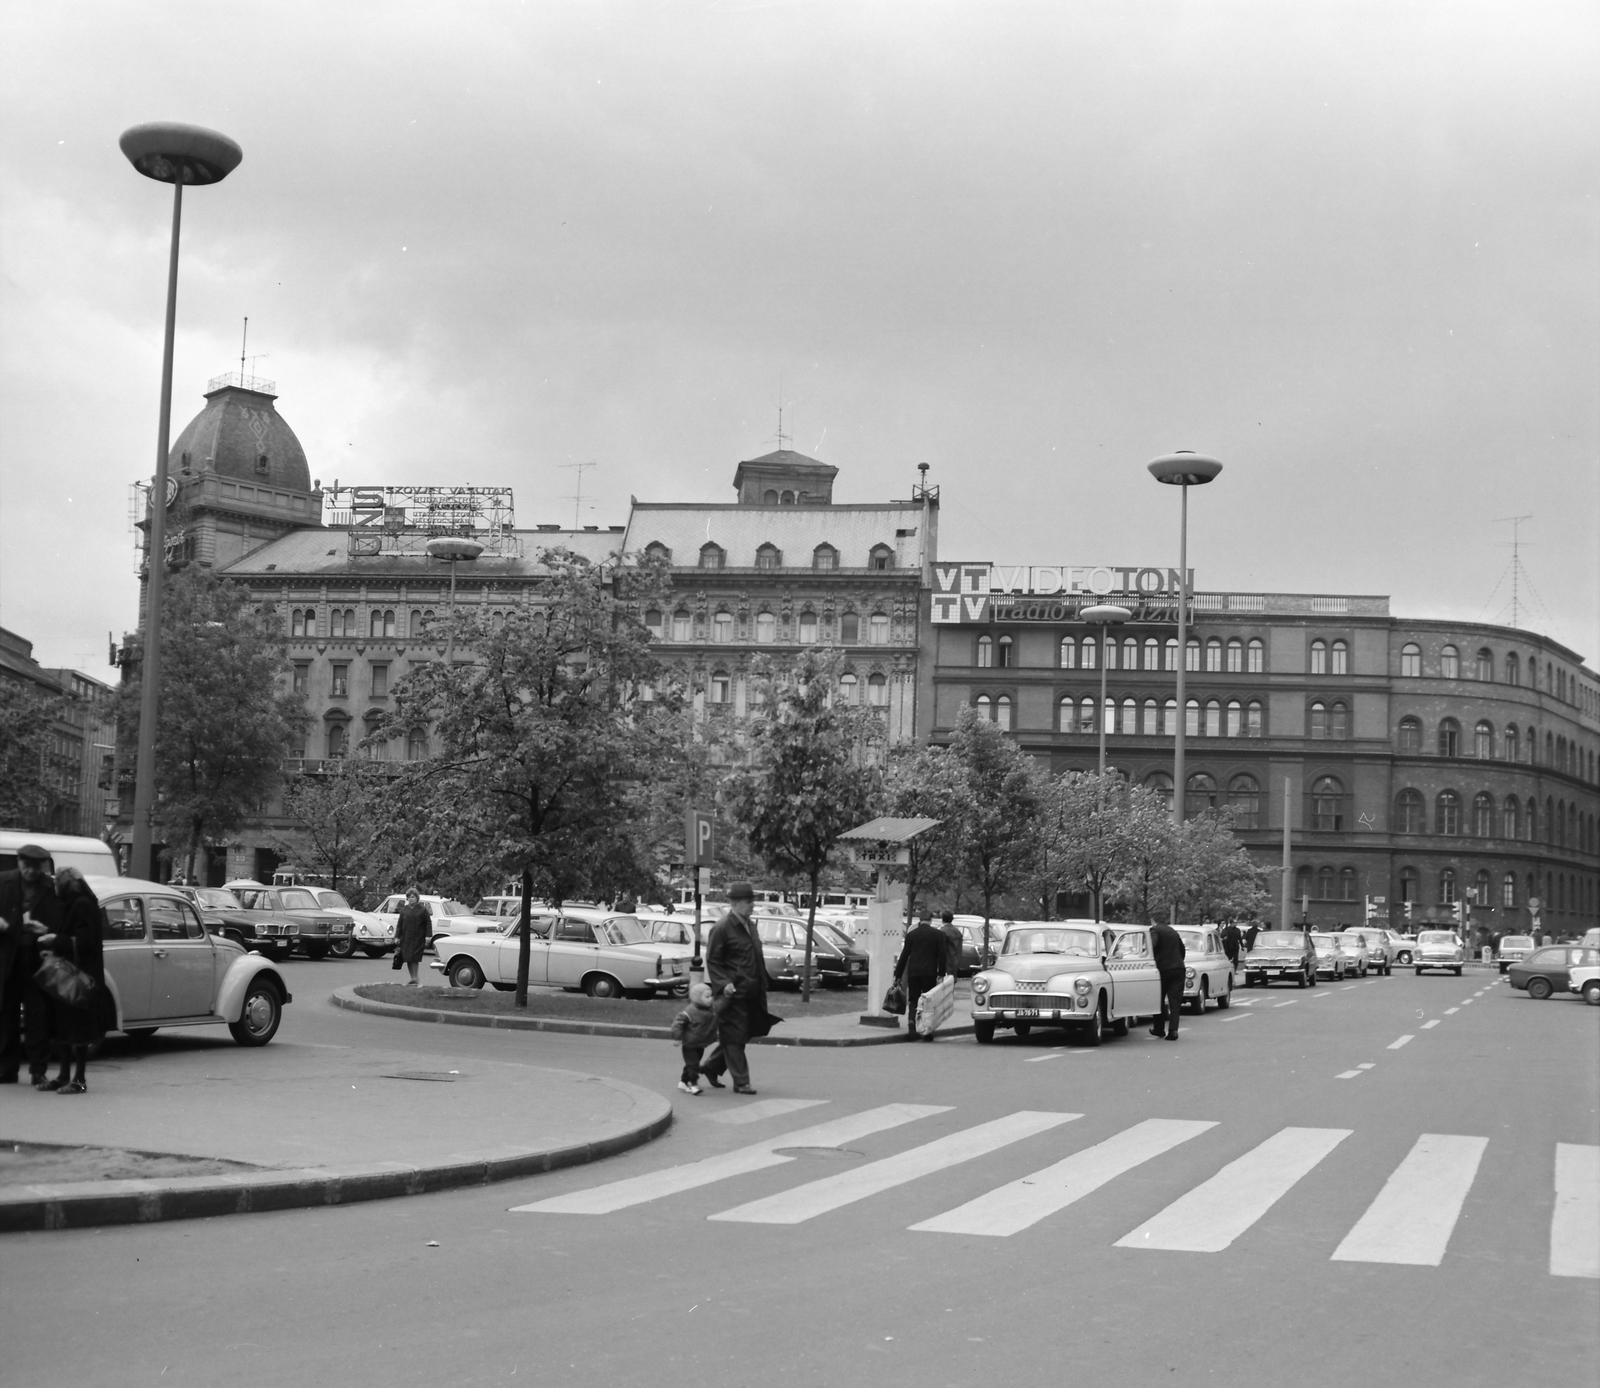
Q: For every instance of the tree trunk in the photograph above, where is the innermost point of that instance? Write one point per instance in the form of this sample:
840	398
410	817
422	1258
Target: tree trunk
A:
195	828
524	931
811	925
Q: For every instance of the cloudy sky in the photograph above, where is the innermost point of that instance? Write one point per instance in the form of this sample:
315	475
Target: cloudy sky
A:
1352	249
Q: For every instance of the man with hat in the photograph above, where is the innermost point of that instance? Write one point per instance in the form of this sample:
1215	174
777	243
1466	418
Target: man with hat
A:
924	960
29	908
737	971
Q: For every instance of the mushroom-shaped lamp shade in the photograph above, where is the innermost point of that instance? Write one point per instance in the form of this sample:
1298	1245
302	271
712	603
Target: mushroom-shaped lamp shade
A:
1105	613
173	153
449	547
1184	469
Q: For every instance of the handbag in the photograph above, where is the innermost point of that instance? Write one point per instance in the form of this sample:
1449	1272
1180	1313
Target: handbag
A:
894	1001
396	963
65	982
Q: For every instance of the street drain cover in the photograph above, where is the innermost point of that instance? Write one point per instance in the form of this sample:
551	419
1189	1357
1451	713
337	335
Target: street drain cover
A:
831	1153
437	1076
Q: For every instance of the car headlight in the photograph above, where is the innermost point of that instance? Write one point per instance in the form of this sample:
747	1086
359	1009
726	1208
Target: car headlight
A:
1188	975
980	987
1082	987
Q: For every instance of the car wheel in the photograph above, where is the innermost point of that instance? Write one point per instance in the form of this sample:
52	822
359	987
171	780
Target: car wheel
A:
1458	971
1119	1026
1022	1028
342	949
140	1033
1539	988
1198	1005
259	1018
602	986
1093	1032
315	952
464	973
1419	970
1591	992
1225	1000
984	1031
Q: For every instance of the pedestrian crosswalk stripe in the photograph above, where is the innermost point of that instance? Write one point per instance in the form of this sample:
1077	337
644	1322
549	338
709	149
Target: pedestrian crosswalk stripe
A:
1215	1213
1416	1211
766	1108
1348	1075
1575	1222
652	1185
1020	1204
832	1192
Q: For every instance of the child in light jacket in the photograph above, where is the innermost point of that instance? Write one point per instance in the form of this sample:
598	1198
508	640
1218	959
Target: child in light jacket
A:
694	1029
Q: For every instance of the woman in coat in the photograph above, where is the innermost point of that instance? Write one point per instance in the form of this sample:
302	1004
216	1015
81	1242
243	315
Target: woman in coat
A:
73	1030
412	931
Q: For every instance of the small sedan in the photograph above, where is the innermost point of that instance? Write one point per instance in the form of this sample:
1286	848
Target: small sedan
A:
449	917
1330	961
1207	972
344	946
316	931
1380	953
834	953
225	915
564	951
1352	944
1439	949
785	959
1549	970
1281	956
1512	949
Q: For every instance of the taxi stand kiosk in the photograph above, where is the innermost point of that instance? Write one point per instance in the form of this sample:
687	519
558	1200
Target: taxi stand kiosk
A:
883	844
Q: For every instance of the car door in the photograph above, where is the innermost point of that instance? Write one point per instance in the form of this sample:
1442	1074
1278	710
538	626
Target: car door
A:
572	951
183	959
501	963
125	944
1134	976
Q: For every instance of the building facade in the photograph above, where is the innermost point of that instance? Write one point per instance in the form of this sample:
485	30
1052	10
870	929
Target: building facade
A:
1419	762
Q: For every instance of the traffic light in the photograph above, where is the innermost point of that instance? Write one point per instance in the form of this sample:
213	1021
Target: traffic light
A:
1408	911
1459	910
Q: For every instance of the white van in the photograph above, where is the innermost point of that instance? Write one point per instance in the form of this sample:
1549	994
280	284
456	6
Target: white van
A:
65	850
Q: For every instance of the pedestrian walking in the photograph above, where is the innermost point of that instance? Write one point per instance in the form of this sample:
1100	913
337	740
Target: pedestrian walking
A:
952	933
29	908
413	928
73	1030
1231	940
737	970
694	1029
1250	938
1167	946
922	963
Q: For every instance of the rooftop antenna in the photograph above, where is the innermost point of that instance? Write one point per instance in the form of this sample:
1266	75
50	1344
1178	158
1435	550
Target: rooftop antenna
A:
1517	574
243	341
577	497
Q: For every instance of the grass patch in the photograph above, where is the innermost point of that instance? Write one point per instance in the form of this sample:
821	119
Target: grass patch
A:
28	1163
656	1012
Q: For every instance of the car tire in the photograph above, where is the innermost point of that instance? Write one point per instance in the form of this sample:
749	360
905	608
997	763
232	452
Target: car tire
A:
316	952
342	949
140	1033
602	986
1225	1000
984	1032
1093	1032
1199	1004
260	1015
1458	971
1419	970
1591	992
1539	988
464	973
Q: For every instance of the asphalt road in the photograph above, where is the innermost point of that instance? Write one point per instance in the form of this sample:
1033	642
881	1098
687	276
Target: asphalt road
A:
1289	1193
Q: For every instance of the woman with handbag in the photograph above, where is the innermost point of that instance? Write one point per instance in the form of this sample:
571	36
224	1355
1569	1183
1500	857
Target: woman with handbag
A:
413	929
76	1025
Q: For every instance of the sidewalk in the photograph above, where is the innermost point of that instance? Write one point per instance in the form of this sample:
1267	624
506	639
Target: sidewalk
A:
313	1125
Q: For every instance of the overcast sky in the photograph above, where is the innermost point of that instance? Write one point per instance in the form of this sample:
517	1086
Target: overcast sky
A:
1351	249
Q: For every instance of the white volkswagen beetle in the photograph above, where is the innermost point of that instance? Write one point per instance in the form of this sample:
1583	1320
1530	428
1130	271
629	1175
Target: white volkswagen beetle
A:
1073	974
164	969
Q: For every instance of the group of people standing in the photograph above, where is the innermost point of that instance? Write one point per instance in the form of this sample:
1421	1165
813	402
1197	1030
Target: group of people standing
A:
42	915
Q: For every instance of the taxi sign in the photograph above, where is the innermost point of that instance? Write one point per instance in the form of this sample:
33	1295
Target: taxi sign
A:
882	854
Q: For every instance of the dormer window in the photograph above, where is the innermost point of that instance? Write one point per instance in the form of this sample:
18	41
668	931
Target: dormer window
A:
825	557
769	497
769	556
882	557
261	462
658	551
712	556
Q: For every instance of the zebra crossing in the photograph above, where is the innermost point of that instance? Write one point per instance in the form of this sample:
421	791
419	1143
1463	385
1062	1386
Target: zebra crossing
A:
1409	1221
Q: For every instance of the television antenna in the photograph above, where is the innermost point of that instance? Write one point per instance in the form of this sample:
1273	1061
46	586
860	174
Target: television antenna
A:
577	497
1517	572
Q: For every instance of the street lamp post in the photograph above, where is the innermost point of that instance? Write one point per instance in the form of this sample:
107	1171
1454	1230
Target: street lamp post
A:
453	550
1104	615
1182	469
175	154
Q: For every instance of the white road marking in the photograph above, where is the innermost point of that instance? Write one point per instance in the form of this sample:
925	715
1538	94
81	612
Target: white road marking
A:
833	1192
1244	1002
1019	1205
1215	1213
766	1108
1575	1222
1325	995
1348	1075
1366	1065
1244	1018
1433	1023
1048	1055
652	1185
1395	1045
1449	1010
1466	1002
1290	1003
1349	986
1416	1211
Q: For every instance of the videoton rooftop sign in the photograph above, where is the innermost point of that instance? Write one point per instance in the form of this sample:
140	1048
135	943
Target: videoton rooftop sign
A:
972	593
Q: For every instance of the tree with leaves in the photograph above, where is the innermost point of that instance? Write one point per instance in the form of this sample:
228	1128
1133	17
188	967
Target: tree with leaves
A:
1084	825
31	791
332	815
545	743
228	718
926	782
809	778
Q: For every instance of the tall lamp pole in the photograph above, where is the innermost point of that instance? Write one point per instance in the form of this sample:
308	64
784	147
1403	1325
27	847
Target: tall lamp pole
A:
452	550
1182	469
1104	615
175	154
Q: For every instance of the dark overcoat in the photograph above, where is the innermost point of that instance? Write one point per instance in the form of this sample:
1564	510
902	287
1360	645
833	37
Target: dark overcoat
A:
412	931
925	954
19	954
733	955
78	939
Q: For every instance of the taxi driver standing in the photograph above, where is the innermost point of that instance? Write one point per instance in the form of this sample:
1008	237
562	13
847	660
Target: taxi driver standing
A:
1167	946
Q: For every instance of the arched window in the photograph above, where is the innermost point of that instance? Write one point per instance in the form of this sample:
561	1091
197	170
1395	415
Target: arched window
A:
1191	719
1410	885
878	691
1304	882
878	635
1130	717
658	551
1408	810
1533	679
722	626
769	497
682	625
882	557
1191	654
721	690
1069	653
1508	890
824	557
1549	749
1152	718
1327	803
1512	673
1483	815
1338	720
1339	658
1347	884
1088	654
985	652
1152	653
1410	742
1086	723
1130	654
1483	740
1560	822
1447	887
1253	725
1002	713
1481	888
1411	659
1319	719
1327	885
1450	663
1235	656
381	623
1449	738
1214	655
1201	796
1110	649
1256	656
1068	711
711	556
1447	813
1169	718
1159	783
1213	718
1002	647
1511	818
849	629
1169	654
787	499
652	622
1531	833
421	621
985	707
1235	718
416	745
1244	799
1110	713
1319	660
338	740
1485	664
1513	751
769	556
766	628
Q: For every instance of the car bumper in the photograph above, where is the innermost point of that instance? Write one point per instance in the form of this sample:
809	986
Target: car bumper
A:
1006	1015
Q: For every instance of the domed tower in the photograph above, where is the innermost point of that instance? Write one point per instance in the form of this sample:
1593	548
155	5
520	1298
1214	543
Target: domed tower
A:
237	476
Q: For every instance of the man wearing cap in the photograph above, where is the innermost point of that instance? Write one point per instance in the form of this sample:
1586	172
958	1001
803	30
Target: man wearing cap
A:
923	961
737	970
29	908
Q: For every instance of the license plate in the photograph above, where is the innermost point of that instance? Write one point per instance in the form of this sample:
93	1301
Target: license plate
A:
1026	1012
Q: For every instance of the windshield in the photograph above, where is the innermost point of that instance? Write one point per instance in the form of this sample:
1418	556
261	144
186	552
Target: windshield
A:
1324	941
626	930
1193	940
450	908
1279	939
837	936
1436	937
216	896
294	899
1083	944
334	901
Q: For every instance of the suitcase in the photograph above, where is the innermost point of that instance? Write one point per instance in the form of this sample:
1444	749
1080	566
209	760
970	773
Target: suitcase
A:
935	1006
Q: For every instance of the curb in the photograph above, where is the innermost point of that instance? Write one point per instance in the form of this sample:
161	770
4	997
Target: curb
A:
348	998
90	1204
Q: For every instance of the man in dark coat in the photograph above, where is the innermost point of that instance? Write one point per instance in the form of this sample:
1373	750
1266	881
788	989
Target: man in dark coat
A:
952	933
28	909
923	961
737	971
1250	938
1231	940
1167	947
